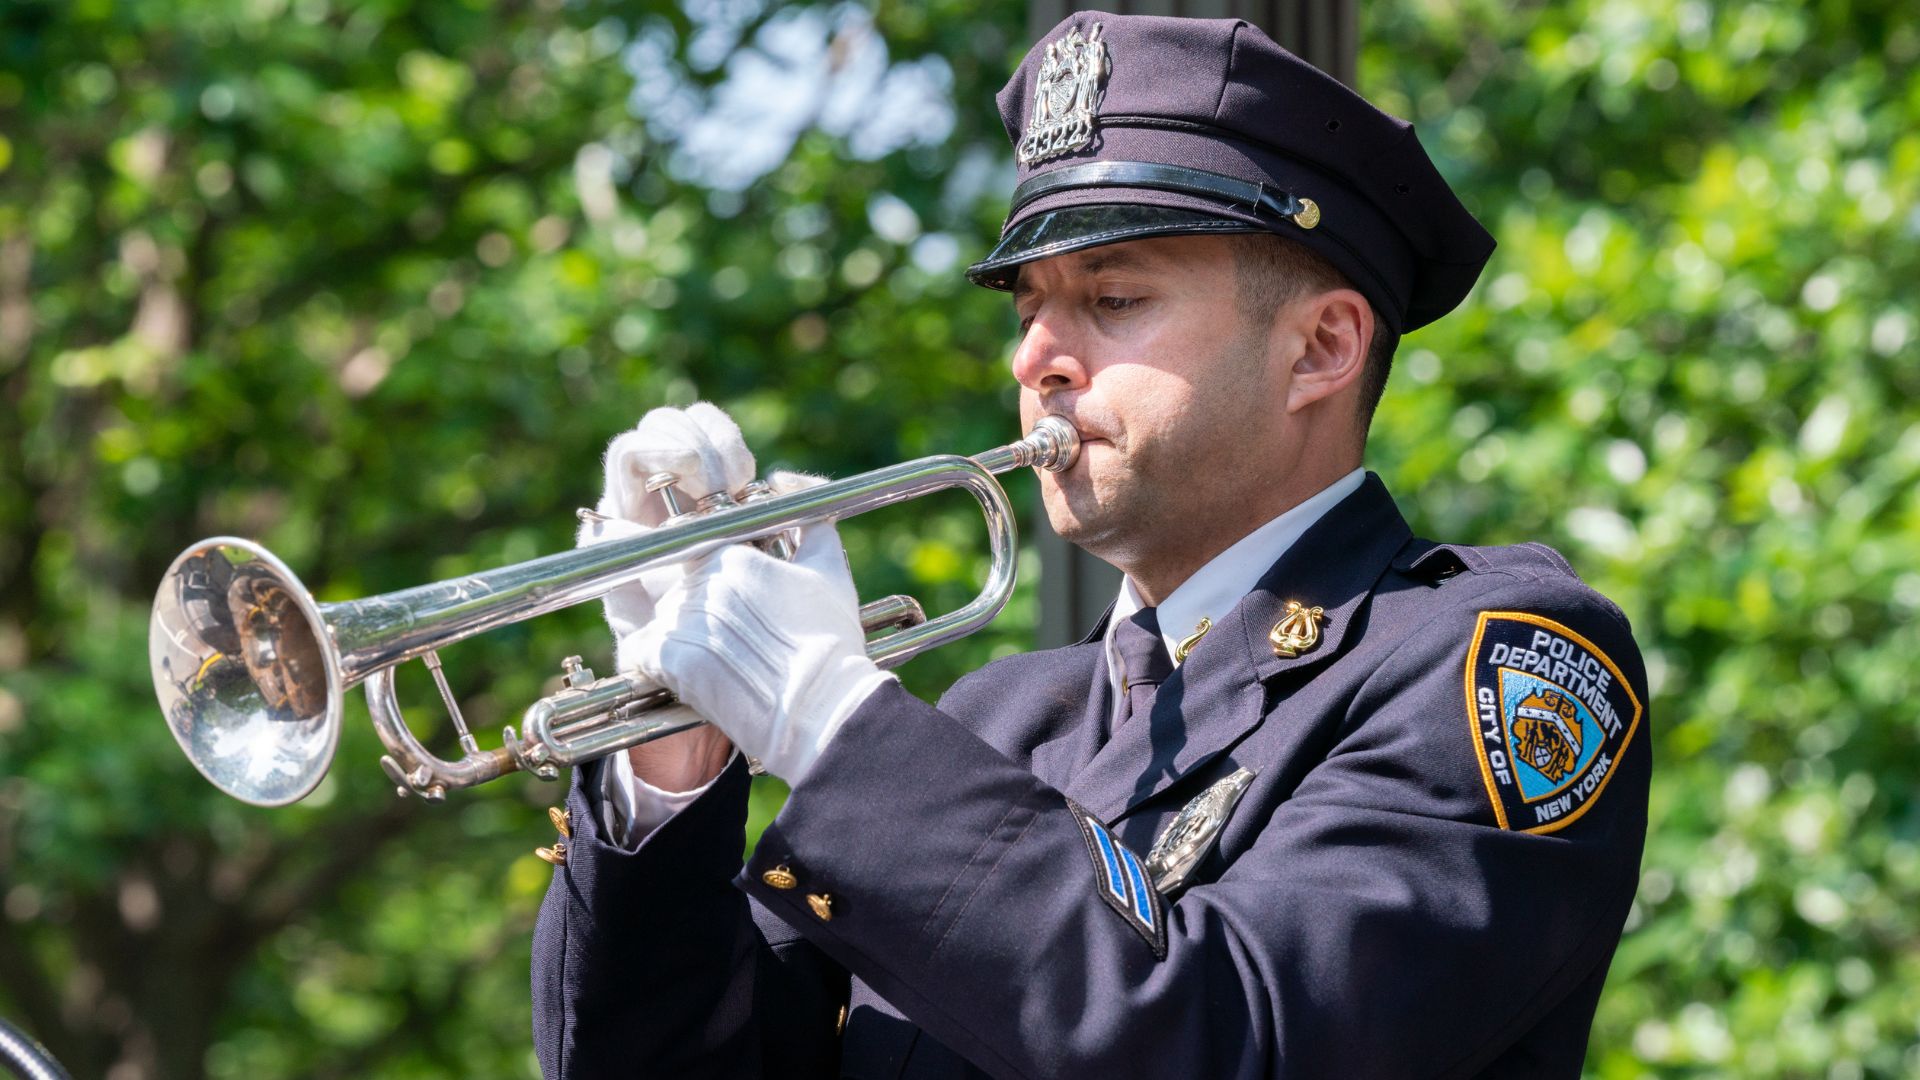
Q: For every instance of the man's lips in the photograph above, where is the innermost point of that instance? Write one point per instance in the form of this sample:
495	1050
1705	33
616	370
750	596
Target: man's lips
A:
1087	442
1088	434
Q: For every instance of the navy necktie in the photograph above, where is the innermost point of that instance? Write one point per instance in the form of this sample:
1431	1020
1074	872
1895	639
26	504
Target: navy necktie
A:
1144	663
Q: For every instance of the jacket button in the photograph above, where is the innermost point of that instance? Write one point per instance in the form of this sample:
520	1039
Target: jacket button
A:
557	854
780	877
822	905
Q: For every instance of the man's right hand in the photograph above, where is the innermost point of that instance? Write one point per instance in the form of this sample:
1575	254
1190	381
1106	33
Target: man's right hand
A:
703	447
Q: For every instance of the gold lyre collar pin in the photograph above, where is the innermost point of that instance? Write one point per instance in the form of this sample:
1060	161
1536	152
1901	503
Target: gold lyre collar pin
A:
1298	631
1187	643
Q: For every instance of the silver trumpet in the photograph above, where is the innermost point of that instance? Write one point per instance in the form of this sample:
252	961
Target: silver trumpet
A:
252	672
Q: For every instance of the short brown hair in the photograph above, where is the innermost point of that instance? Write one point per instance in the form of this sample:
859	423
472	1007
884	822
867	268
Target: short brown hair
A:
1271	270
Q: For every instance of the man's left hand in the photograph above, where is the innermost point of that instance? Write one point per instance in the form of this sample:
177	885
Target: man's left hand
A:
772	652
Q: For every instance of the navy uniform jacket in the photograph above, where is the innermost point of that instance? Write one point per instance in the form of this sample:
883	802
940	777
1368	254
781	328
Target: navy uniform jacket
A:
1400	893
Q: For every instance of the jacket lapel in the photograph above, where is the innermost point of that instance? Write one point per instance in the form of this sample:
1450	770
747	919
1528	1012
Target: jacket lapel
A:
1220	692
1073	740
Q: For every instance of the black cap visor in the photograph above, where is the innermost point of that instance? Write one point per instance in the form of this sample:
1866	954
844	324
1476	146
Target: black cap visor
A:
1075	228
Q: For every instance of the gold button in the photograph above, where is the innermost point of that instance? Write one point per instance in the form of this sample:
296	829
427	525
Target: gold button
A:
1309	214
840	1025
780	877
557	854
822	905
562	820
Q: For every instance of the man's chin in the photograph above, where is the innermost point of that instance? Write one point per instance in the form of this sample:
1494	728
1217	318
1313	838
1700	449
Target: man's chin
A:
1094	528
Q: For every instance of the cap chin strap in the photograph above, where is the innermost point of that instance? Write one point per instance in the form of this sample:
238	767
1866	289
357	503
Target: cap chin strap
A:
1258	198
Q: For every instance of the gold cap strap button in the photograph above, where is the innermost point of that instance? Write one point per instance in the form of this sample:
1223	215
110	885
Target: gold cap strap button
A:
557	854
780	877
822	905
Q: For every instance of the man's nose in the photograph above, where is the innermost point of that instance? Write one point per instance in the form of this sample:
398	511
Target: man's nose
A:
1047	362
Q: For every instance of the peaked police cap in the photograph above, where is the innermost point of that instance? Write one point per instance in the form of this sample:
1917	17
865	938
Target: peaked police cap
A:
1131	126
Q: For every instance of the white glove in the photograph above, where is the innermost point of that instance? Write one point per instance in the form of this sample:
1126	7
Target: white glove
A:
772	652
701	445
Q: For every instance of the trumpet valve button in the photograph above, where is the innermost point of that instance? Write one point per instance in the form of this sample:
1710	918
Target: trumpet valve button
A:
661	483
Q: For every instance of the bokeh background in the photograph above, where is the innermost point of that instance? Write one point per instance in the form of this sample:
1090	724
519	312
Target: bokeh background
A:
374	281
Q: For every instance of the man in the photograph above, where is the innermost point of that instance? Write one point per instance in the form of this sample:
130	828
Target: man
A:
1316	799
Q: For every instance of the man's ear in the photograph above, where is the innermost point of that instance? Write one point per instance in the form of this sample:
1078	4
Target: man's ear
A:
1337	326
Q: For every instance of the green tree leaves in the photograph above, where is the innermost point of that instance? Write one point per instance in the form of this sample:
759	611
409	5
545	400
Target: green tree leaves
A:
374	283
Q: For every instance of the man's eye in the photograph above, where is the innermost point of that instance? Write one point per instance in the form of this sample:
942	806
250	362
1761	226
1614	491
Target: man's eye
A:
1117	303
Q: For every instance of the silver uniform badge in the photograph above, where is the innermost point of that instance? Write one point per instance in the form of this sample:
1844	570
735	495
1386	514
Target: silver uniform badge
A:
1192	834
1065	97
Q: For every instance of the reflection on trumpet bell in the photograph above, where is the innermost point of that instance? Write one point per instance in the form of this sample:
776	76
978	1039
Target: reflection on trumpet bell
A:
251	671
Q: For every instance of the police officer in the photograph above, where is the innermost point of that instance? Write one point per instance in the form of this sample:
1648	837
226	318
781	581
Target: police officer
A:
1317	798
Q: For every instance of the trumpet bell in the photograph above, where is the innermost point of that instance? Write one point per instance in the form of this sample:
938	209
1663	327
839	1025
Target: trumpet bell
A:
246	671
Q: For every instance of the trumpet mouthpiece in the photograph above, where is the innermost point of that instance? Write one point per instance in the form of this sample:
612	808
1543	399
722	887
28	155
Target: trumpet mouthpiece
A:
1054	444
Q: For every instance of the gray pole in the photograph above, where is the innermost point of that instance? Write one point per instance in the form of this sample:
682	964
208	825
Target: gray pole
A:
1075	587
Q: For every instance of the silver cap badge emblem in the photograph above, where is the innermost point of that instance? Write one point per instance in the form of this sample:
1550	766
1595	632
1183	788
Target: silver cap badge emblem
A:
1193	832
1065	96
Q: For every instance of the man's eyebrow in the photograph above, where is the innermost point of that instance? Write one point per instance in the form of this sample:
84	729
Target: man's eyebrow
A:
1094	263
1112	260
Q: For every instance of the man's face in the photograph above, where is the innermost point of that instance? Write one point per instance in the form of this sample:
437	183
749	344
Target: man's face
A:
1177	392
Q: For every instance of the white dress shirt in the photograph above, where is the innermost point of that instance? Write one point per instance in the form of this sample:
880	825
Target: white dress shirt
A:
631	808
1215	588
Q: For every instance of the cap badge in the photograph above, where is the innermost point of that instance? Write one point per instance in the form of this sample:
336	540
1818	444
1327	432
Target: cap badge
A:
1065	96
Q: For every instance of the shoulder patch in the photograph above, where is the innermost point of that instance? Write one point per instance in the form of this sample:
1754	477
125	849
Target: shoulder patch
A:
1551	717
1121	880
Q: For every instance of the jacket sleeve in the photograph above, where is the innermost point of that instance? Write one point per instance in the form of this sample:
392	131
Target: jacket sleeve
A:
649	962
1381	921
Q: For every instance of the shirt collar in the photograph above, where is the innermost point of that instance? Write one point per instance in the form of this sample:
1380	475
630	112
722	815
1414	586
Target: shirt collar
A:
1215	588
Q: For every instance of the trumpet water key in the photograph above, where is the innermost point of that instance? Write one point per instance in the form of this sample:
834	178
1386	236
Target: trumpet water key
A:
252	671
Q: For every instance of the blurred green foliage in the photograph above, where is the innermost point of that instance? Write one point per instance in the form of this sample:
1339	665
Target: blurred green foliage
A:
1692	367
374	282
